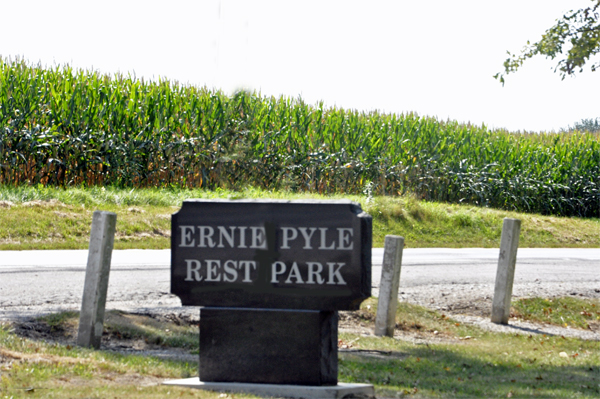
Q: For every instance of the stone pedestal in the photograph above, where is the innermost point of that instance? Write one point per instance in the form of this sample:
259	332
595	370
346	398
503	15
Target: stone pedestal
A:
268	346
339	391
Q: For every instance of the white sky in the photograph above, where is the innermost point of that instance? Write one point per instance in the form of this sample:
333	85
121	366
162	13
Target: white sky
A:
433	57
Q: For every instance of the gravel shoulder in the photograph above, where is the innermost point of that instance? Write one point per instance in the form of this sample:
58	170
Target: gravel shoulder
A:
465	303
472	304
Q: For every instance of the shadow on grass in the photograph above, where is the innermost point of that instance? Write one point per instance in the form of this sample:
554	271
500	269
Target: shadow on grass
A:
431	372
121	329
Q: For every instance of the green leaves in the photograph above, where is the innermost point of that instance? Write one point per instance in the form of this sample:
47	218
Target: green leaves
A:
575	37
62	127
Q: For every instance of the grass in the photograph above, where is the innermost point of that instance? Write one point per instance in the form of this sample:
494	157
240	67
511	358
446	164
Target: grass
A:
50	218
474	363
152	331
50	370
488	366
567	312
54	225
462	361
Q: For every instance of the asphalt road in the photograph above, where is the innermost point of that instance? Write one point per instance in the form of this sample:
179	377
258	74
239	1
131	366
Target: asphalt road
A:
35	282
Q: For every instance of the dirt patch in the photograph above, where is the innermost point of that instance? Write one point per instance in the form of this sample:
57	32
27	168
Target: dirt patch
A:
43	203
40	330
359	322
11	356
123	333
10	241
67	215
362	322
481	307
112	378
155	233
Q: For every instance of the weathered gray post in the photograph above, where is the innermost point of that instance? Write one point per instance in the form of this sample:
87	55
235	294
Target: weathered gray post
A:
91	319
385	321
509	243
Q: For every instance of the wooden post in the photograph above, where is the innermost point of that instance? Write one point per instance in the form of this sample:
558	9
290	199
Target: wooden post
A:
509	243
91	319
385	321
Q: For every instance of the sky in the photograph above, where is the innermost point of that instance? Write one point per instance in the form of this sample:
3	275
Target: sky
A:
433	57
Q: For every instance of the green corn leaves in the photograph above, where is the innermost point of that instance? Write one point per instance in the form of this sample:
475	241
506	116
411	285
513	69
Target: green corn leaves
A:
64	127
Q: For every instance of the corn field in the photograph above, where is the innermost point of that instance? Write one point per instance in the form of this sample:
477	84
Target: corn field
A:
64	127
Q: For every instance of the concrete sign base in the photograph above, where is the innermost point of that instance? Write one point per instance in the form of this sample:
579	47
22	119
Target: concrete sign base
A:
261	346
279	390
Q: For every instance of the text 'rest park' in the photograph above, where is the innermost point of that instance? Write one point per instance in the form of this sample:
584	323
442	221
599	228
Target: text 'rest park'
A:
255	237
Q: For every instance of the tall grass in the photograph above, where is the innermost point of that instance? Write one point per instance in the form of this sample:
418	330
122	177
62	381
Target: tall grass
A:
64	127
